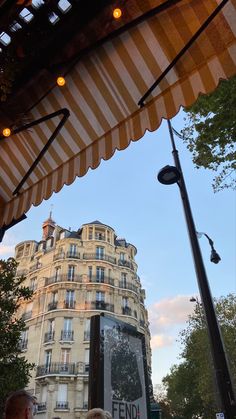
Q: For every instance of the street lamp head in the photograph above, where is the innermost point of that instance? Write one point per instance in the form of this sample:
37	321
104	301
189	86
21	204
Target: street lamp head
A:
193	300
168	175
215	258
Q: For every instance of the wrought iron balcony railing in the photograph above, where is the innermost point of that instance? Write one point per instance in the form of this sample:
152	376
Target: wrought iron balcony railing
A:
126	264
35	266
73	255
52	306
69	304
67	335
62	405
91	256
41	407
127	311
142	323
104	280
56	368
49	337
62	278
98	305
128	286
58	256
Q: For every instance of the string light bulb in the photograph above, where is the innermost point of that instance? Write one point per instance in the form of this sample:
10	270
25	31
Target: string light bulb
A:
117	13
61	81
6	132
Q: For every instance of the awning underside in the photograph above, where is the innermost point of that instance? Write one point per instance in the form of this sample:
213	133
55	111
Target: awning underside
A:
102	92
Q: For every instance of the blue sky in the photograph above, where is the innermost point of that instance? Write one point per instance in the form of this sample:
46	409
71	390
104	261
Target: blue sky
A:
125	194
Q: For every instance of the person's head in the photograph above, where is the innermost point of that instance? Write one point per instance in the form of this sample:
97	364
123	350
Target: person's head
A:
95	414
108	415
20	405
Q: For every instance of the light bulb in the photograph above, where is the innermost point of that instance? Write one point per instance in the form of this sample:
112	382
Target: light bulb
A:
61	81
6	132
117	13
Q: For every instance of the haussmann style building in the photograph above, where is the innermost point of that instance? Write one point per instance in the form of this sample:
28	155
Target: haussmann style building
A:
74	275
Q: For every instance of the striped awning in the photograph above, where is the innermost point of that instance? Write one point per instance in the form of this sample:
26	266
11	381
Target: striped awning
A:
103	93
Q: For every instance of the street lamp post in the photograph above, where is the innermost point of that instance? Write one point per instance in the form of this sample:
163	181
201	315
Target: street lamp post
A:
173	174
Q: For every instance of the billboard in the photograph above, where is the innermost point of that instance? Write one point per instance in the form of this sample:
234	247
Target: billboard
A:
118	375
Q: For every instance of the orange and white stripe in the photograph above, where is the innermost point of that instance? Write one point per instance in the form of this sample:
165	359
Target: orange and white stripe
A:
102	93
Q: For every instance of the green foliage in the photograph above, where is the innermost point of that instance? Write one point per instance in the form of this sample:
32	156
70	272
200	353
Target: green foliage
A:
190	386
14	369
210	133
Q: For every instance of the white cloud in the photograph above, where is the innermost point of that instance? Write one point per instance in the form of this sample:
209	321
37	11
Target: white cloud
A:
166	316
160	341
7	247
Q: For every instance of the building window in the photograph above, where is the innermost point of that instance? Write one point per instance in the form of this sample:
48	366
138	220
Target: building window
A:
123	280
71	272
67	333
85	406
70	299
20	251
122	256
24	339
48	359
100	296
87	330
86	359
65	356
27	250
125	302
90	272
33	284
100	274
57	273
99	252
90	233
62	402
73	249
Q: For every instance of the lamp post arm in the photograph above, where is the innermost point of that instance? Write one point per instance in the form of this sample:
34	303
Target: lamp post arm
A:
223	378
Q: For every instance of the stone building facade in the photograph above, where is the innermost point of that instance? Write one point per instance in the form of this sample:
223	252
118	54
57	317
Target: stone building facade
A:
74	275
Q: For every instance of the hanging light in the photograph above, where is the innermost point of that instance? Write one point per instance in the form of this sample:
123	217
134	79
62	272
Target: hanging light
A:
61	81
117	13
6	132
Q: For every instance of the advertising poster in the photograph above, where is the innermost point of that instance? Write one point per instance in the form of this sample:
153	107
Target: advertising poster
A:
121	372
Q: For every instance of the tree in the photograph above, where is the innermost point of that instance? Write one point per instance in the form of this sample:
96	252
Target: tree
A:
210	133
190	386
14	368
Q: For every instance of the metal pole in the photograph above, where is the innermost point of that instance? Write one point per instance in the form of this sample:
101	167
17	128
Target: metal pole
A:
223	379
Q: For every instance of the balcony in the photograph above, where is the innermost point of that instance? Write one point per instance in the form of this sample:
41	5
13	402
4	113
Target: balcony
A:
142	323
23	344
126	264
62	278
99	236
92	256
62	405
128	286
69	304
104	280
52	306
41	407
21	272
127	311
73	255
27	315
99	305
49	337
67	335
58	256
35	266
55	369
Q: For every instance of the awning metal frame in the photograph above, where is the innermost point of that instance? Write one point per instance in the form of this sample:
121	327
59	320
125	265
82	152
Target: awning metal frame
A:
65	112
